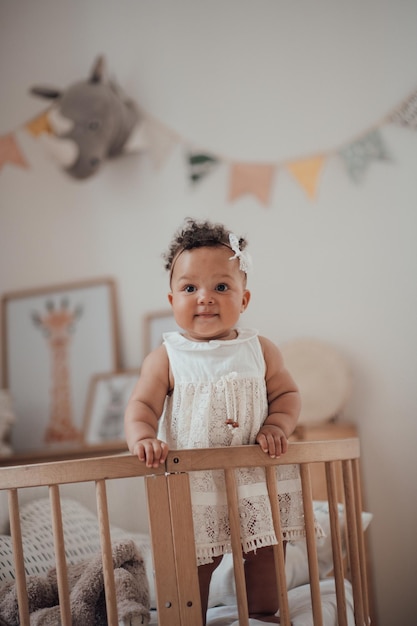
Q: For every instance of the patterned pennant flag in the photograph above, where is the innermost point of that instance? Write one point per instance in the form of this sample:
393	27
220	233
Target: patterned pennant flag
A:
39	125
406	113
160	141
200	164
10	152
306	172
251	178
359	154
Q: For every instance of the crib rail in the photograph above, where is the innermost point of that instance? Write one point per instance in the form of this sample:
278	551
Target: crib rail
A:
171	525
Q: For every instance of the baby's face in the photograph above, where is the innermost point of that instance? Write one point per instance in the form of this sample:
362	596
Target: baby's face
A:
208	293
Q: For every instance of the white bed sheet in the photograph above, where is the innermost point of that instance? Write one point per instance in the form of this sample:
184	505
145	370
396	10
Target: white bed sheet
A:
299	600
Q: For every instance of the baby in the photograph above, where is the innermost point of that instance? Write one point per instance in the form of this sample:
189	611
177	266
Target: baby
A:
217	385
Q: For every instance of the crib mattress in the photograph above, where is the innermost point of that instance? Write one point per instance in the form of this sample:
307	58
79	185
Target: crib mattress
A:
299	601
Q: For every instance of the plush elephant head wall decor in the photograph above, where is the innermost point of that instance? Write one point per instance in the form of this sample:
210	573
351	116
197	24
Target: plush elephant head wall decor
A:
91	121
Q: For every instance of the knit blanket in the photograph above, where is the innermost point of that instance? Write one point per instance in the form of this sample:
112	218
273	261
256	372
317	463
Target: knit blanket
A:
87	599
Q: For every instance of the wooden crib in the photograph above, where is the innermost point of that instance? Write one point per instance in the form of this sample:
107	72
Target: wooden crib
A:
171	525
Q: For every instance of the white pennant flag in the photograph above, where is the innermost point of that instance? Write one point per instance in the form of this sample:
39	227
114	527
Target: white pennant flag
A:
160	141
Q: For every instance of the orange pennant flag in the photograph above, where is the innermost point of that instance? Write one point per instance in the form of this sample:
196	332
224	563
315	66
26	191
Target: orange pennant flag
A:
251	178
306	172
39	125
10	151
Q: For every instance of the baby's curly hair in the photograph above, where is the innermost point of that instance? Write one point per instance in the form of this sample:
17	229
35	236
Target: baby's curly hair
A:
195	234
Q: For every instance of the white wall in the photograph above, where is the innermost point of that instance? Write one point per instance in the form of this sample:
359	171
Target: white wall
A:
258	81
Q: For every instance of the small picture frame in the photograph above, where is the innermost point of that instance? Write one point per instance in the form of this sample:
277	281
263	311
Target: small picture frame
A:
155	324
54	340
106	404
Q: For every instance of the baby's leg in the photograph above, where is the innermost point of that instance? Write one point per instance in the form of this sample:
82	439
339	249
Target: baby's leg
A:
261	584
205	573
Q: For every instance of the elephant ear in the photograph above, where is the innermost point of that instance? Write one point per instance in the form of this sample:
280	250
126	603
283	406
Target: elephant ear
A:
98	72
46	92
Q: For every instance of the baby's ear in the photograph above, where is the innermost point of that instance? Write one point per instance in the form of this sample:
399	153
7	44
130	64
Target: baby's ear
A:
245	300
170	296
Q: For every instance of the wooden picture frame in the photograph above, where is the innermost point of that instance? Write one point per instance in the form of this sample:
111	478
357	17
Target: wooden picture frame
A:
108	395
54	340
155	324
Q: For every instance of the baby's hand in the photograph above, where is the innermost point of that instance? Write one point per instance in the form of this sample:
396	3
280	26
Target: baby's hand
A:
153	451
272	440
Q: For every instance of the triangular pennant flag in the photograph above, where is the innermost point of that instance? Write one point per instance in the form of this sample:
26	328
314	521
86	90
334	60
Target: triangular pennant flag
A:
10	152
306	172
251	178
359	154
138	140
39	125
200	164
160	141
406	113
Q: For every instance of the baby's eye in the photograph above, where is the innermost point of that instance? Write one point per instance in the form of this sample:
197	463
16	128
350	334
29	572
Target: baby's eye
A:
189	288
221	287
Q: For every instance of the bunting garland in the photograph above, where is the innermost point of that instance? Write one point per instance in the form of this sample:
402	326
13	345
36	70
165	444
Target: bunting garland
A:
10	151
359	154
245	178
406	114
39	125
306	172
200	165
251	178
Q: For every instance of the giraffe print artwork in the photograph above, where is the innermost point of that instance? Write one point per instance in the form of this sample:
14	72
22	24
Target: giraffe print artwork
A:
58	326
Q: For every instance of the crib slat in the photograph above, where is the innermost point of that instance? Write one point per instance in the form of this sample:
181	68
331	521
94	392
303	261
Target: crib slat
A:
184	549
106	553
361	536
311	544
19	562
162	551
338	570
271	482
353	542
233	507
61	566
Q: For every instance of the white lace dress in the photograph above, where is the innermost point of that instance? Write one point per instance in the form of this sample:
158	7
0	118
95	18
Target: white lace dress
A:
217	382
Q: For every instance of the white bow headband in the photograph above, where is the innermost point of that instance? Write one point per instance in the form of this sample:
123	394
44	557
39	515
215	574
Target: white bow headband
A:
245	261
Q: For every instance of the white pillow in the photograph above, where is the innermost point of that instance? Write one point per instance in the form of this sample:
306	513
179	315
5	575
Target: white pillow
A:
222	589
297	563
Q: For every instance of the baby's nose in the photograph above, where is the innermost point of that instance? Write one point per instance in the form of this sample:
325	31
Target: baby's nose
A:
205	296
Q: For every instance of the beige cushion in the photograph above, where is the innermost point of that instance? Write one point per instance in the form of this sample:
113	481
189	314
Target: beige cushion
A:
323	376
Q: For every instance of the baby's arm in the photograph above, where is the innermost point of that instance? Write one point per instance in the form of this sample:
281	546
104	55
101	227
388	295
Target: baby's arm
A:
145	408
283	403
